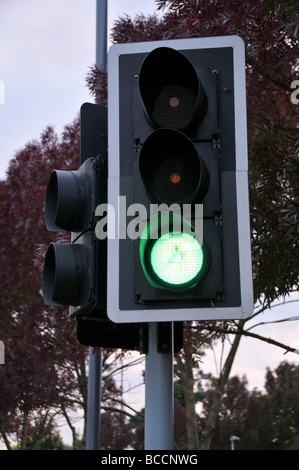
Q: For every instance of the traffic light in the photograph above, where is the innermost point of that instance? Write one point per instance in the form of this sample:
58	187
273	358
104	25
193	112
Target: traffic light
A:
179	235
75	273
132	336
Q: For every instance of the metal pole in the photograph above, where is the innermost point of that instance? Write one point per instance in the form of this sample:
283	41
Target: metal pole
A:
158	395
95	359
232	441
94	401
101	41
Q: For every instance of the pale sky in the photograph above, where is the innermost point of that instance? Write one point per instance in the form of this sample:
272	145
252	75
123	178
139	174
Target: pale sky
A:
46	49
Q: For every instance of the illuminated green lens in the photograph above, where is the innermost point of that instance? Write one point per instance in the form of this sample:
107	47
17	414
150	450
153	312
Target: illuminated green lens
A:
177	258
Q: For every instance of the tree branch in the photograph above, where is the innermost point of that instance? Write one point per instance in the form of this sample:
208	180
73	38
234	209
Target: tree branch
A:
117	410
137	413
3	434
72	428
243	332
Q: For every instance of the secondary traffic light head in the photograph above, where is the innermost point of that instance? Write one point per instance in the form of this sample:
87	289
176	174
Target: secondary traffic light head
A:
68	200
177	155
64	280
70	206
75	272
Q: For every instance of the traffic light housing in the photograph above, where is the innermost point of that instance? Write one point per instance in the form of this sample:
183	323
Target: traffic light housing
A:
75	272
91	332
179	235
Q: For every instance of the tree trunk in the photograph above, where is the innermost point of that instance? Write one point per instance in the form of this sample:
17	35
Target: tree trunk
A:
216	403
185	373
72	428
83	388
3	434
24	431
191	418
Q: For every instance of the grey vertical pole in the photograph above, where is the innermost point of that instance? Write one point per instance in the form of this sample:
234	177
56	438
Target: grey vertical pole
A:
94	401
158	395
95	358
101	40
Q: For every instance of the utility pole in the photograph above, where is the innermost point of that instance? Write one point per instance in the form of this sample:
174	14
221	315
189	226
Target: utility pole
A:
158	431
95	357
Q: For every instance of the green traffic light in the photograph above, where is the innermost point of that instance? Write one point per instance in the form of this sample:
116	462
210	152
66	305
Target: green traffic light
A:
177	258
172	253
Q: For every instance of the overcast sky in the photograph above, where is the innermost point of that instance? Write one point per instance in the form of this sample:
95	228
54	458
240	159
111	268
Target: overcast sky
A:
46	49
